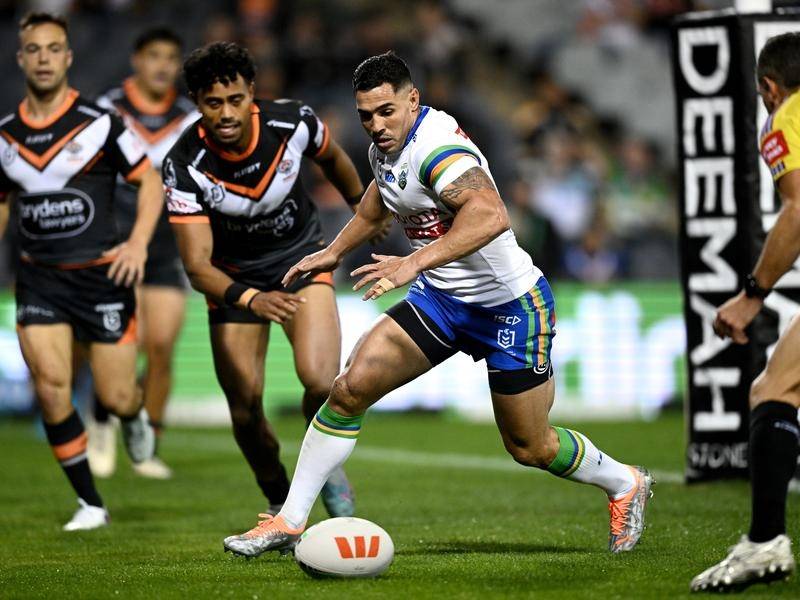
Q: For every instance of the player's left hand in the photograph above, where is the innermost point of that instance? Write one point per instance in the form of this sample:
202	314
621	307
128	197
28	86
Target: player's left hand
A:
127	268
388	272
735	315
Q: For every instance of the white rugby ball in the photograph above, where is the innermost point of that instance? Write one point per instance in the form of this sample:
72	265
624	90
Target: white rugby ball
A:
344	547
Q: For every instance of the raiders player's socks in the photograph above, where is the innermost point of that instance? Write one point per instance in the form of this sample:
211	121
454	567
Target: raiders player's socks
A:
262	452
100	412
326	446
580	460
774	439
68	441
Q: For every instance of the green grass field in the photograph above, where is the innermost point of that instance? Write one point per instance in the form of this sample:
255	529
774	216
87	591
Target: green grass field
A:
466	521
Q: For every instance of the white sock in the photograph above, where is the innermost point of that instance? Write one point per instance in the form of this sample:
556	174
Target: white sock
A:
328	443
580	460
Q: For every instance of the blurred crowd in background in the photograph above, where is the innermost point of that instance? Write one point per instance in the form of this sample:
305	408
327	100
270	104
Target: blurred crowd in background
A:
571	102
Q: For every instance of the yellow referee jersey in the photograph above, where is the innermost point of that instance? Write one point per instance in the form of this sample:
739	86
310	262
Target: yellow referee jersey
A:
780	138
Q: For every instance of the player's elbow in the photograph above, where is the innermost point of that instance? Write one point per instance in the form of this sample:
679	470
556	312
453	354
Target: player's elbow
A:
495	216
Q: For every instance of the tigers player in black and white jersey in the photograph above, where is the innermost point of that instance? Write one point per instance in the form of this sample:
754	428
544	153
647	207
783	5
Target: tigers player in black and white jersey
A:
151	106
242	217
60	156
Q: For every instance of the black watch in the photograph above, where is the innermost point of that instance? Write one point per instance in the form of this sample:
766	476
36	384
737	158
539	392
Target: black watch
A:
753	290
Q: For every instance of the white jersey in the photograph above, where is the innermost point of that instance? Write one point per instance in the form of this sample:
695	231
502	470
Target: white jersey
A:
437	152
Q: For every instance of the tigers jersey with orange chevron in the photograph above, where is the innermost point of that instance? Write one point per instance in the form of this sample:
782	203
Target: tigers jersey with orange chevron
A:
780	138
158	124
65	170
255	202
436	152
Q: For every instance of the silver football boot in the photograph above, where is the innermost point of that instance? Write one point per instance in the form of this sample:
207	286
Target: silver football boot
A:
627	512
271	533
748	563
139	437
337	495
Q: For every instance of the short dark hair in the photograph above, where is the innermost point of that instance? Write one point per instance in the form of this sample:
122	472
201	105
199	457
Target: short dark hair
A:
779	60
218	62
380	69
156	34
34	18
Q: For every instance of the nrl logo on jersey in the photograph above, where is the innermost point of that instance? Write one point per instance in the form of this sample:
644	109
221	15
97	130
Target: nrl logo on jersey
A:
403	180
214	195
10	154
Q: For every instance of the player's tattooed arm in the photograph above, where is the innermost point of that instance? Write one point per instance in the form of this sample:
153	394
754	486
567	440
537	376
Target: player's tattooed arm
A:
474	179
480	216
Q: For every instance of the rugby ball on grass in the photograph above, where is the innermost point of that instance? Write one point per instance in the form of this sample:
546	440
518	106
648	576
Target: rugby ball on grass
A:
344	547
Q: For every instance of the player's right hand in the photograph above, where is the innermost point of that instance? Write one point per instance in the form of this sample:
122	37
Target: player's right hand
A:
276	306
319	262
734	316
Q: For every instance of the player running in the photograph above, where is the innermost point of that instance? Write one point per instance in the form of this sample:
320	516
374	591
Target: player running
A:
151	106
242	217
60	155
475	290
765	553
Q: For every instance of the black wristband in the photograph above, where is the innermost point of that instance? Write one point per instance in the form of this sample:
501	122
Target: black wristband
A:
234	292
753	290
353	200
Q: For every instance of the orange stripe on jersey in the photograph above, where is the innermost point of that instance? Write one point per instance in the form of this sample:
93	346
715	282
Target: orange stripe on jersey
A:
60	112
145	105
152	137
189	219
221	152
92	162
326	138
103	260
40	161
71	448
136	174
254	193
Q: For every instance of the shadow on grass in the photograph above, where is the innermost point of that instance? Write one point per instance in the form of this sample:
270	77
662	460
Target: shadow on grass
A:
474	547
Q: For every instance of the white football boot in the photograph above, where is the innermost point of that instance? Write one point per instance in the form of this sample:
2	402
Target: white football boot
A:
139	437
101	448
748	563
153	468
87	517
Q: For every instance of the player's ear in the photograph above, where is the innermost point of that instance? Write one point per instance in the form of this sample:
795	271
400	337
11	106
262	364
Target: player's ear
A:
19	58
251	89
413	98
69	57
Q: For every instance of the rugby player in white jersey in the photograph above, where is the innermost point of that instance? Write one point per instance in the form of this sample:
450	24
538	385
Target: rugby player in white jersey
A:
474	290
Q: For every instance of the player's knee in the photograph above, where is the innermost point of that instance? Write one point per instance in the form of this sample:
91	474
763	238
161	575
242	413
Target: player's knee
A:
530	453
123	401
52	392
247	414
348	395
159	354
317	386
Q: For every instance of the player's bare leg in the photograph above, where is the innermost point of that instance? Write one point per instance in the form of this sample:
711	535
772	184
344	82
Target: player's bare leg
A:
531	440
239	353
315	336
161	310
114	373
47	350
765	553
384	359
